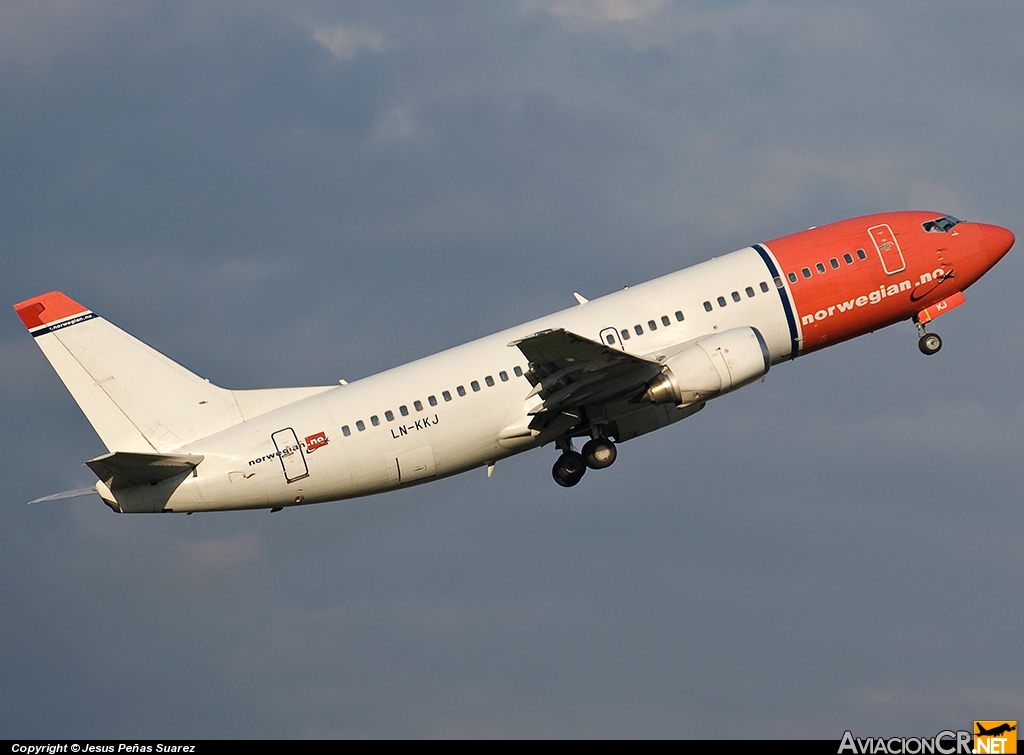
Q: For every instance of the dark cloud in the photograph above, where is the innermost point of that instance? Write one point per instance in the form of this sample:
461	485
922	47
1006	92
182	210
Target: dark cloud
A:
280	194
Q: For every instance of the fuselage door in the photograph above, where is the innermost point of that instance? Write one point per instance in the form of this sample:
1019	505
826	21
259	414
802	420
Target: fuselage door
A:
416	464
888	248
610	337
290	453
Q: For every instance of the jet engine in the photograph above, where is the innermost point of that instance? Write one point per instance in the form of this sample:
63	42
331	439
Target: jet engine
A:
711	367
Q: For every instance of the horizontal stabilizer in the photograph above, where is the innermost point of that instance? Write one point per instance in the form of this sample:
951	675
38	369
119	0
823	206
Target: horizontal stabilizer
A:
79	493
122	469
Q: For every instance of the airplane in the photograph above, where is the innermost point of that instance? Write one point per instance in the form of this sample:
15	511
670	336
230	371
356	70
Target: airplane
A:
995	731
606	370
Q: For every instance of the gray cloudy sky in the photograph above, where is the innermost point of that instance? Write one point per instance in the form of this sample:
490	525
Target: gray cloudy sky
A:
291	193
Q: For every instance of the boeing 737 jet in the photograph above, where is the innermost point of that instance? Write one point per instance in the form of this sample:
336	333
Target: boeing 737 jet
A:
606	370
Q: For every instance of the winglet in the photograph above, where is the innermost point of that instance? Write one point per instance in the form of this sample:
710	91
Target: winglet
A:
47	309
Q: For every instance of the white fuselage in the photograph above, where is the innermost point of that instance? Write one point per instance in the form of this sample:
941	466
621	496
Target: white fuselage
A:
444	431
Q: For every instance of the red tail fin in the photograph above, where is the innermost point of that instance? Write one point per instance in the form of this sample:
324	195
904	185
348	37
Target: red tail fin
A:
47	308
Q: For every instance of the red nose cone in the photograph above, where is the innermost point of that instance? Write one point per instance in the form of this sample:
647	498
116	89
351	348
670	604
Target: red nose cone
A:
995	242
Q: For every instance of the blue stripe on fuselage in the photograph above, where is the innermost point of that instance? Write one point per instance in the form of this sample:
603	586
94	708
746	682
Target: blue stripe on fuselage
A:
787	305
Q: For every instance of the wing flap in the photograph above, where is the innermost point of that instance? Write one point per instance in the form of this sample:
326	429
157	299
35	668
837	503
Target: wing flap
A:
568	371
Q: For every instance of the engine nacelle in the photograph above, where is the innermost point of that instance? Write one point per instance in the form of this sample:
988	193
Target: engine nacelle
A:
711	367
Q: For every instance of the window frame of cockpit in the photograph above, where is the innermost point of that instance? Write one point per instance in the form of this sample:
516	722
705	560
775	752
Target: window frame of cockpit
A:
937	224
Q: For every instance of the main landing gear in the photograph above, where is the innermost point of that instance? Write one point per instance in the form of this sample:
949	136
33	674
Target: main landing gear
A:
928	343
598	453
569	468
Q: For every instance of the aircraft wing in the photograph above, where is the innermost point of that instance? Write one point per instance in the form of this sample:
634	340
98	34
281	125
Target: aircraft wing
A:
569	371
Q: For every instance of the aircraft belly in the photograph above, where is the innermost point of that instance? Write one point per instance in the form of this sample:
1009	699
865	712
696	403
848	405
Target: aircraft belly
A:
650	418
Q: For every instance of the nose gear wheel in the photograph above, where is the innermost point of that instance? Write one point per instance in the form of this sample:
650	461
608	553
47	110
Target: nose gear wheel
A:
929	343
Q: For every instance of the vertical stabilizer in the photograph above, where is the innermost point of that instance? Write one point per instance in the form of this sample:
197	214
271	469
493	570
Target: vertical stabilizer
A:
136	398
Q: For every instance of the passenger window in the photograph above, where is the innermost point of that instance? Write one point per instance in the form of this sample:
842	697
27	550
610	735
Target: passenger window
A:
848	258
461	390
432	400
652	325
820	267
389	415
504	376
707	306
610	339
475	385
359	425
417	405
490	381
374	420
861	254
764	286
792	277
639	329
806	272
779	283
345	431
665	321
519	371
721	301
625	335
736	296
403	410
834	263
446	395
749	292
679	315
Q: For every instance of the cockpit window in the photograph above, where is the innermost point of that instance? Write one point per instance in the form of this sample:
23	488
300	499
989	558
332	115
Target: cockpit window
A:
940	225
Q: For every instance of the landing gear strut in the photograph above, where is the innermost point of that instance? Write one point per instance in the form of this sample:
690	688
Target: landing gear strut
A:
928	343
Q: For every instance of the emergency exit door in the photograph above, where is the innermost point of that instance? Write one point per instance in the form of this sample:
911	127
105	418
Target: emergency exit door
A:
610	337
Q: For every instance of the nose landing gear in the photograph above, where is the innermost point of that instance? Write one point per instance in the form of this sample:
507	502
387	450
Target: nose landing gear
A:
928	343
